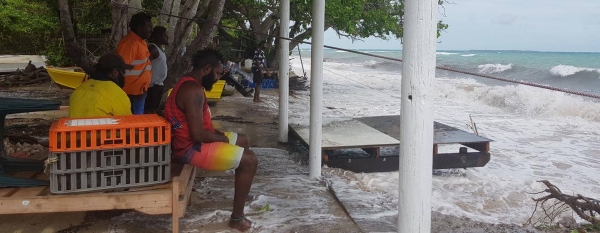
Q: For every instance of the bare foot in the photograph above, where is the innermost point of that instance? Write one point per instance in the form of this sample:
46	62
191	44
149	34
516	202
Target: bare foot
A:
241	225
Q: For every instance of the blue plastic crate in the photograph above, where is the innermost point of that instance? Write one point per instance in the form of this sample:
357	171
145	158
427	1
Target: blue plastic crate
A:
267	84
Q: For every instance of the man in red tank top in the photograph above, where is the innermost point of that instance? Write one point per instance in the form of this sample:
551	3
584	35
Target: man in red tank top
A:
197	142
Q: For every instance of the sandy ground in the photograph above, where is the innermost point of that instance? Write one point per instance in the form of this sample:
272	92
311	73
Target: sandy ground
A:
297	204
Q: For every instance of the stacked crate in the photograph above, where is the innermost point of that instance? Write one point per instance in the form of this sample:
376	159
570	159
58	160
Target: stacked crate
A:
109	153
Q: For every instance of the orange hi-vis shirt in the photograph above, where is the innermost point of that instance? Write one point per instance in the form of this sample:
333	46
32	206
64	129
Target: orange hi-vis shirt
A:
134	51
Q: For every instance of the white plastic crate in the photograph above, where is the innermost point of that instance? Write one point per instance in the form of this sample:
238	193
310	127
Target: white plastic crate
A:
118	168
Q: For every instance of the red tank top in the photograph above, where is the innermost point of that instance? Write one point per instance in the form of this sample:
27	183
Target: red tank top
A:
180	137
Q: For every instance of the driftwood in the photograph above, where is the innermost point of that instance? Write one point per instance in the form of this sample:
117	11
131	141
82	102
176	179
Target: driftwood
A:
29	75
586	208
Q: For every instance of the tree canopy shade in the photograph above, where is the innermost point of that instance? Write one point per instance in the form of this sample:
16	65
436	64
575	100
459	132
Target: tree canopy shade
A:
354	19
56	27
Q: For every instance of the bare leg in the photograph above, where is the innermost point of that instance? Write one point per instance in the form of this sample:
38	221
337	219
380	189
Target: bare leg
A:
257	93
244	175
242	141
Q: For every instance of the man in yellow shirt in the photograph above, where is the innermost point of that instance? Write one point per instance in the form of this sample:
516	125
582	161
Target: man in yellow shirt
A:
134	50
101	94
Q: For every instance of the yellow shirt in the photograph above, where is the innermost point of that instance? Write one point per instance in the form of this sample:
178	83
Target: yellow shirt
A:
95	98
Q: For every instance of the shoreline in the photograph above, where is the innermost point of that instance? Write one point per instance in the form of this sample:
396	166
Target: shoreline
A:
236	113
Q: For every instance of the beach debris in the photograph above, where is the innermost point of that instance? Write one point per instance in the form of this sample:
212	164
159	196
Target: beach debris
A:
555	203
265	208
22	150
30	75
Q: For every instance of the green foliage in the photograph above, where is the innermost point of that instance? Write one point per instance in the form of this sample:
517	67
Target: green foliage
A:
265	208
25	26
225	47
33	26
153	5
56	54
354	19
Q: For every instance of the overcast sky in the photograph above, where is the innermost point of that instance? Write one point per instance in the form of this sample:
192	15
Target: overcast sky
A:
540	25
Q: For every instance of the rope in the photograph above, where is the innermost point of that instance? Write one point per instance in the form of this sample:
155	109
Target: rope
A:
543	86
47	163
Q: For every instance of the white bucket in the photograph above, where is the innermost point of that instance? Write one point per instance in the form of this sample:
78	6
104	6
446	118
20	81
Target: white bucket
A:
248	63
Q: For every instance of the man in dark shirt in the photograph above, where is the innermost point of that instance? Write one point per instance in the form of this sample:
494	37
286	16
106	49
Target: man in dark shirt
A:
258	70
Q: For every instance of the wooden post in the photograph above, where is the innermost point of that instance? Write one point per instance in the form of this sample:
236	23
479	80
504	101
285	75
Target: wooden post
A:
316	88
284	67
416	136
175	208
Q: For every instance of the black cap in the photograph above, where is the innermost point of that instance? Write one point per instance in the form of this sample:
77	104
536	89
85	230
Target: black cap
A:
112	61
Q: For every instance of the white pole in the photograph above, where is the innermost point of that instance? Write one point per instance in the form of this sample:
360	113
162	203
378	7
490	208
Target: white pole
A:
316	88
284	68
416	136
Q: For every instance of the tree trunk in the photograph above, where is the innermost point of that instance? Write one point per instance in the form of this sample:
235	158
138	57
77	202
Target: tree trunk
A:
208	28
183	29
175	62
273	56
135	4
119	23
173	21
166	10
74	50
181	64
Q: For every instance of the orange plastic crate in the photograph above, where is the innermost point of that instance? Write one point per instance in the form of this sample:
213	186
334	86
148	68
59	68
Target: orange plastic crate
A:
76	134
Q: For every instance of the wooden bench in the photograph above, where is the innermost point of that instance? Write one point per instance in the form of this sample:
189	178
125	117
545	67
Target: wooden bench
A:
170	198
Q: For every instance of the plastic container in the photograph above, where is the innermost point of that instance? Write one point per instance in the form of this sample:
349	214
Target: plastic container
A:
70	134
248	63
84	171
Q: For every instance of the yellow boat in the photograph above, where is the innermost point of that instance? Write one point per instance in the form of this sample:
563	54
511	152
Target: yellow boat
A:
72	79
213	95
66	78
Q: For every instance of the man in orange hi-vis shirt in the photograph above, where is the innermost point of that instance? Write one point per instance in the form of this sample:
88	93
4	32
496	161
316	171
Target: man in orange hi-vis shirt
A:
134	50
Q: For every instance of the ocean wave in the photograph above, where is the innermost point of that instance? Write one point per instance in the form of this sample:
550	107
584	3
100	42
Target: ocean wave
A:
493	68
520	99
566	70
445	53
468	55
384	65
340	51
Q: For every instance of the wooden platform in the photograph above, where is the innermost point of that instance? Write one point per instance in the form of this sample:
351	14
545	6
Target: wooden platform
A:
348	134
170	198
372	133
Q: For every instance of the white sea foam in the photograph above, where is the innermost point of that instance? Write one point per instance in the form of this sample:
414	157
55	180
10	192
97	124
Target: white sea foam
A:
445	53
566	70
538	134
468	55
493	68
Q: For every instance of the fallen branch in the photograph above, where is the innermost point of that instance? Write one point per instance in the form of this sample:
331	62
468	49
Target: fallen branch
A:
586	208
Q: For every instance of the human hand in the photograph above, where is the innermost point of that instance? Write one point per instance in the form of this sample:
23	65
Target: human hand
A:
225	138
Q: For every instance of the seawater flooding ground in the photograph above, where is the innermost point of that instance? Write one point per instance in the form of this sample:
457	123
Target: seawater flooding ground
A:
538	134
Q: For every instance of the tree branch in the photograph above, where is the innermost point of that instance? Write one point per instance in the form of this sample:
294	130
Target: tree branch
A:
74	50
208	28
202	8
303	36
578	203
